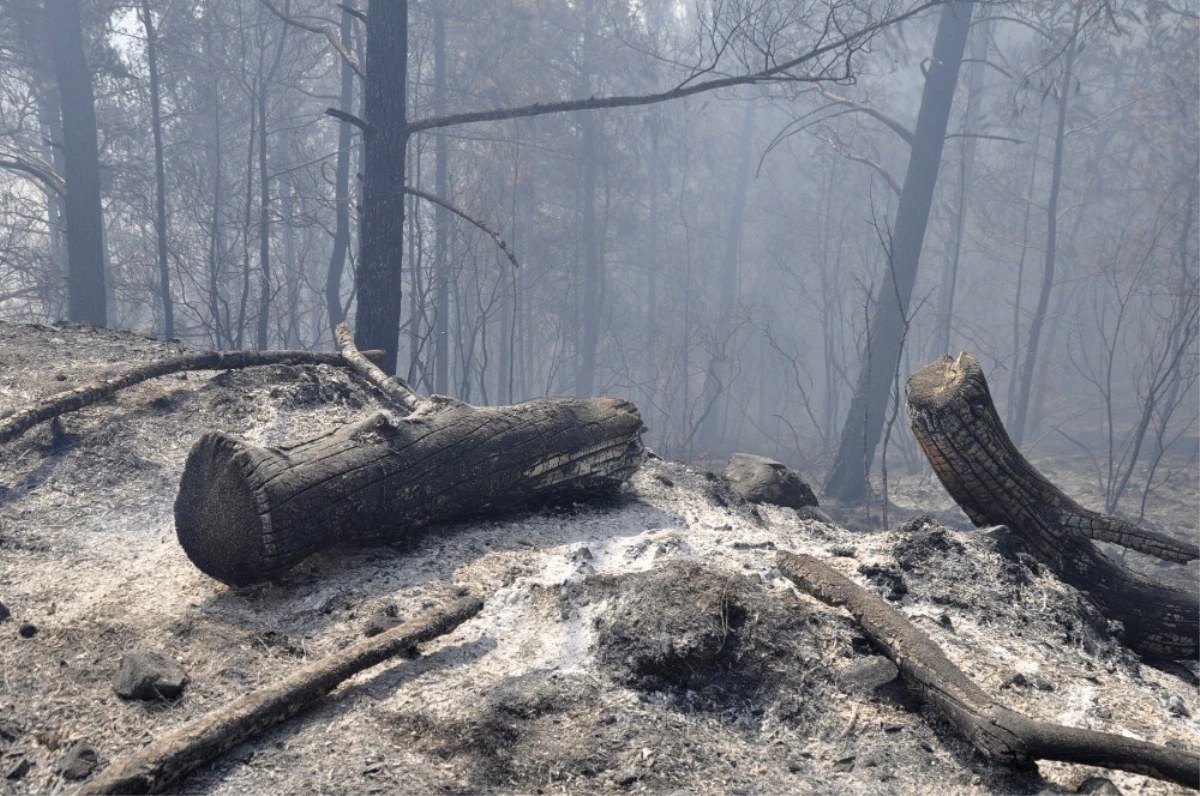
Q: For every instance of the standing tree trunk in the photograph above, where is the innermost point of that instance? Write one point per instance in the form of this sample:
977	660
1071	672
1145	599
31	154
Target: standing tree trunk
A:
1029	362
966	168
441	216
341	232
847	480
160	178
381	240
86	295
715	386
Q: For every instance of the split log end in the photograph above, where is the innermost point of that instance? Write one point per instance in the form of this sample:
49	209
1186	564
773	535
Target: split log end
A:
217	517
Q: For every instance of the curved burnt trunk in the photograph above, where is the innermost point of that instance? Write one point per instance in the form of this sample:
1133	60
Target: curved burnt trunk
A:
959	430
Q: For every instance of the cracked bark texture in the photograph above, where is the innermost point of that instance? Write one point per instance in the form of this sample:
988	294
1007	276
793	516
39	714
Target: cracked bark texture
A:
958	428
245	512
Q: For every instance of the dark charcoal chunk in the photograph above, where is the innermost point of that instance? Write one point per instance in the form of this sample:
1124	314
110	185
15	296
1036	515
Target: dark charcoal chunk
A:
886	579
149	675
28	630
762	480
4	612
920	546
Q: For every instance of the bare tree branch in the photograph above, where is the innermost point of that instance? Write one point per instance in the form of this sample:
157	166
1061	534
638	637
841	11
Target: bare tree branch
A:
770	74
348	117
44	174
493	234
325	31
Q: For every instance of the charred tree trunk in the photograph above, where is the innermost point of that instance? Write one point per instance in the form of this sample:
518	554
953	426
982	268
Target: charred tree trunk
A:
341	234
86	295
960	431
245	513
377	280
847	481
160	178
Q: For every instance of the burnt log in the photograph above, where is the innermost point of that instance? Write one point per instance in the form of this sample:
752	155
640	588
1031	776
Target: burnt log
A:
171	757
956	423
245	513
999	733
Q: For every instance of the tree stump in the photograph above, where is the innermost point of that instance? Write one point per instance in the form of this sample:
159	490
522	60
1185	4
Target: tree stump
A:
245	513
961	433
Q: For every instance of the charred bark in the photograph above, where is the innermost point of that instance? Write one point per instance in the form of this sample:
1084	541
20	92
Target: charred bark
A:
245	513
961	433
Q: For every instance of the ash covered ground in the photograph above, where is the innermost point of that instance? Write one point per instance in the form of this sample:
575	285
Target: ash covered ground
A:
642	644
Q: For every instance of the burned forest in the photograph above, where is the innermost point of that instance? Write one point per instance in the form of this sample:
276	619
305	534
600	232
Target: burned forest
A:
584	396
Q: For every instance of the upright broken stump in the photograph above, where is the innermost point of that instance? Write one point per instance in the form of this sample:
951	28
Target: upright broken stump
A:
245	513
957	425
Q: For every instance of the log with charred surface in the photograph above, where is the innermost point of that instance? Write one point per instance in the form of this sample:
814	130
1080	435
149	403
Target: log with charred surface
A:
959	430
245	513
1000	734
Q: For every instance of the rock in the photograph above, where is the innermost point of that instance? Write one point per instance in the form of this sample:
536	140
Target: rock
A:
1176	707
28	630
18	769
625	777
149	675
867	674
79	762
1098	786
9	730
762	480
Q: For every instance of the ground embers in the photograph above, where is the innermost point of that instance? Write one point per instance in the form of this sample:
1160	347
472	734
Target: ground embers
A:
705	639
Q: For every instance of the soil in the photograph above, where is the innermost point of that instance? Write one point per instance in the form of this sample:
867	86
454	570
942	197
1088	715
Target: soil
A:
640	644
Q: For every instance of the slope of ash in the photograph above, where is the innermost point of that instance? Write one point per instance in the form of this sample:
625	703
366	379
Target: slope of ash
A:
643	644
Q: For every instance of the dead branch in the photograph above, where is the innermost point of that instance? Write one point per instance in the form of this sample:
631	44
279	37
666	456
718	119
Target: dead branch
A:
173	756
325	31
87	394
495	236
999	733
394	387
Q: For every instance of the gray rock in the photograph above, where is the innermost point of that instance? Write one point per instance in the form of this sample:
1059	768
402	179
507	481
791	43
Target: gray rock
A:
1098	786
1176	707
149	675
79	762
867	674
814	513
762	480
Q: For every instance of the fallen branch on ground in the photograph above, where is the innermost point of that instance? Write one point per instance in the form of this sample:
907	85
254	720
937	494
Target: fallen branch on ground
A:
395	388
957	425
173	756
999	733
87	394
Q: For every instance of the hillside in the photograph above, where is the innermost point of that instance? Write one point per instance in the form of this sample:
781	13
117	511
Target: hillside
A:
644	644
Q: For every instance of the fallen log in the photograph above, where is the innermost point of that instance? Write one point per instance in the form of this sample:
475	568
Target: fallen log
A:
245	513
87	394
999	733
176	754
956	423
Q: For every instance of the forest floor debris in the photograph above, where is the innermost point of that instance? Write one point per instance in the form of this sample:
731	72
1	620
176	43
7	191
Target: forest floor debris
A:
643	644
